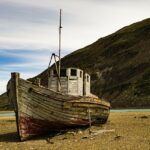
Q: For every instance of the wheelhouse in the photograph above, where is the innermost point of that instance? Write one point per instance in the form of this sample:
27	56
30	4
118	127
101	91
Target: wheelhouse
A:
72	81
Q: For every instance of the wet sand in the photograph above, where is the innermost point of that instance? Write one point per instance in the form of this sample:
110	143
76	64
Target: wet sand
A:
123	131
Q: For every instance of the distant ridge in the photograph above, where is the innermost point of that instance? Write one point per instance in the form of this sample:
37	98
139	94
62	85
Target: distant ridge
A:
119	65
4	103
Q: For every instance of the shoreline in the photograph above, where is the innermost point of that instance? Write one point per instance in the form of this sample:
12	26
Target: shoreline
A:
13	117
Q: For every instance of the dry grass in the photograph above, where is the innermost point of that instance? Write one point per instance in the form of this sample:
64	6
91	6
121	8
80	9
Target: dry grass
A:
131	132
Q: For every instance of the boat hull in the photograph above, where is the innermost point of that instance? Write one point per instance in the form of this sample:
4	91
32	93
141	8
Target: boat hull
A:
40	110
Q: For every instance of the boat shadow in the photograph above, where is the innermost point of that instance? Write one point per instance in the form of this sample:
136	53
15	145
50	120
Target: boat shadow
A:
9	137
49	136
13	136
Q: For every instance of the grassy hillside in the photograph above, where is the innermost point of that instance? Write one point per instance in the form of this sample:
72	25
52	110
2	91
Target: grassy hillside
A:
4	103
119	65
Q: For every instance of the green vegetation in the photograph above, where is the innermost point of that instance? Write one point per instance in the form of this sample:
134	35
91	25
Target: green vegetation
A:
119	65
4	103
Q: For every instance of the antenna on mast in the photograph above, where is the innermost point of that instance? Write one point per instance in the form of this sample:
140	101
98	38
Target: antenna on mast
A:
59	63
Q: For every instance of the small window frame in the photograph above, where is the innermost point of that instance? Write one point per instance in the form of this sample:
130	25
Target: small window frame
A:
73	72
81	74
87	78
55	73
63	73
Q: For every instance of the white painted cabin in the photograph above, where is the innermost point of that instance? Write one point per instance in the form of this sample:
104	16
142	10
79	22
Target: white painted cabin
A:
73	82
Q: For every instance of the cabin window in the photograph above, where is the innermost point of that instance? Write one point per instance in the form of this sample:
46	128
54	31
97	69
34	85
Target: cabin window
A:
63	72
87	78
73	72
54	73
80	74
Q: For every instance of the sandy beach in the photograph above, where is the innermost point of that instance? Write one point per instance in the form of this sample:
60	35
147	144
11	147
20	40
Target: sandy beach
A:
123	131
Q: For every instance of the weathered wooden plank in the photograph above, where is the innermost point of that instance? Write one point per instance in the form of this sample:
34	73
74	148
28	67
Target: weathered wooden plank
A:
48	91
49	106
46	106
64	113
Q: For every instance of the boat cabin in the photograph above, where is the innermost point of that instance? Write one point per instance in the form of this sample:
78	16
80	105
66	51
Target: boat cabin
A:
72	81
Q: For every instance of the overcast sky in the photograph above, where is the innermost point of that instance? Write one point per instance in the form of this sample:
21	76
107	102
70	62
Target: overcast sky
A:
29	29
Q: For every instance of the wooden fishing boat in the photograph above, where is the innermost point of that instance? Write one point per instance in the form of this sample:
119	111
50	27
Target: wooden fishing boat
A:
39	109
65	102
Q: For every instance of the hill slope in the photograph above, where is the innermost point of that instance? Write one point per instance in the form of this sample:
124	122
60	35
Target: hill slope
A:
119	65
4	103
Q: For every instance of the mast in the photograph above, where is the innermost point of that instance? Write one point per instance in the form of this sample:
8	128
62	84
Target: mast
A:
59	63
